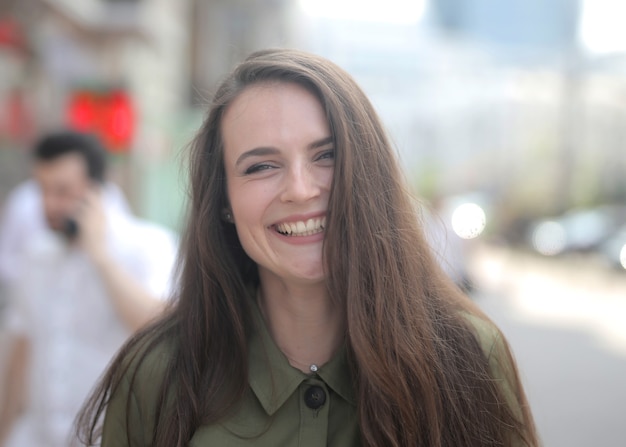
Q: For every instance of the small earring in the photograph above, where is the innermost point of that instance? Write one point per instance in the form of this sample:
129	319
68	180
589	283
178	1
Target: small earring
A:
227	216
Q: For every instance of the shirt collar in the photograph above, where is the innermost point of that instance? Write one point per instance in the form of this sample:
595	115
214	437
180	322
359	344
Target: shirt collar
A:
273	380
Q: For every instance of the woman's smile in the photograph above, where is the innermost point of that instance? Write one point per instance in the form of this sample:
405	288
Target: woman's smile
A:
301	228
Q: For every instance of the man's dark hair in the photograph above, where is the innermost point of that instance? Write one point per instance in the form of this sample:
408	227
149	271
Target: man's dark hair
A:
57	144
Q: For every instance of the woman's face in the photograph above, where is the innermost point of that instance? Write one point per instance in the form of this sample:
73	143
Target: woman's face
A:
279	160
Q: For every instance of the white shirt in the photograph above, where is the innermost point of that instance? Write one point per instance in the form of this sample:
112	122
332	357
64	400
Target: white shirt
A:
61	304
22	217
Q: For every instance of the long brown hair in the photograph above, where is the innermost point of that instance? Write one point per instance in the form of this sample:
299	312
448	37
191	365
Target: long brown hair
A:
421	375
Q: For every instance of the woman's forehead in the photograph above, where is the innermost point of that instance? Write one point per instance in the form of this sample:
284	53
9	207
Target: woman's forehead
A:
271	112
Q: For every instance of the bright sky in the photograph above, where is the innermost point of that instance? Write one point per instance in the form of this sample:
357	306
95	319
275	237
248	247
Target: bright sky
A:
390	11
602	27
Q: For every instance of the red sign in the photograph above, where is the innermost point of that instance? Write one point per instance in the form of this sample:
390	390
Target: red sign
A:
11	34
109	114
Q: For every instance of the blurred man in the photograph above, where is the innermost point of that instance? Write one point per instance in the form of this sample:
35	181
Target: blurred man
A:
82	274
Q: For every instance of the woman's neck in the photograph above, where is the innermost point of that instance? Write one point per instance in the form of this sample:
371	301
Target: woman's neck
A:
305	325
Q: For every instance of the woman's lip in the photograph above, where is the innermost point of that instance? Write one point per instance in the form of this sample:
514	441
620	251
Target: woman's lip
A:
298	238
298	218
305	227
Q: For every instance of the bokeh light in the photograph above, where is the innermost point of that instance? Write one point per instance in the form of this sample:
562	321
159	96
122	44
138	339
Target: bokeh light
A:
549	238
468	220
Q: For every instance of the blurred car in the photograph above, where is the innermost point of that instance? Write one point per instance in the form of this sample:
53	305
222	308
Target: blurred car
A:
598	230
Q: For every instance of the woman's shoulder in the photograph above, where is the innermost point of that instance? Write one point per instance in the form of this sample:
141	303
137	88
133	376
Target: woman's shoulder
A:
495	348
503	370
145	363
136	393
142	367
488	334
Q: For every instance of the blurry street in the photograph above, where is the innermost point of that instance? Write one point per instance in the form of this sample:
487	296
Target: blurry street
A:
566	323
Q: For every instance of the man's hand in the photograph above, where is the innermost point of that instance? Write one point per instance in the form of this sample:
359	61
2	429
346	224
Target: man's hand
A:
92	224
132	301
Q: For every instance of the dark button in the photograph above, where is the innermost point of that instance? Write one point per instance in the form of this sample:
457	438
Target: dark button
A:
314	397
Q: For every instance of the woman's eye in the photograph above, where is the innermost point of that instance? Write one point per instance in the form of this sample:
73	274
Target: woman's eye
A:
257	168
327	155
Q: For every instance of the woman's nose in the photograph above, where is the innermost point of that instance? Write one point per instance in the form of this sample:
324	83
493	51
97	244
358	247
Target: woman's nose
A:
300	184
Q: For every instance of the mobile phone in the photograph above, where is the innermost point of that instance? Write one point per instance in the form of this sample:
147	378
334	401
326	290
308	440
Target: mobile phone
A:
70	228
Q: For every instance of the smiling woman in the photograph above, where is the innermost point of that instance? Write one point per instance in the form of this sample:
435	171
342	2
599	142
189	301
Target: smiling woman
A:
310	309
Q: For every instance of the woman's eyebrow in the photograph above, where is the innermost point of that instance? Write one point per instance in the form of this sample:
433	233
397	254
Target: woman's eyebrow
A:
322	142
269	150
257	151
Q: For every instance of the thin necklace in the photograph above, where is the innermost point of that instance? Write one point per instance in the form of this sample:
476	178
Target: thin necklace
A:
312	367
296	364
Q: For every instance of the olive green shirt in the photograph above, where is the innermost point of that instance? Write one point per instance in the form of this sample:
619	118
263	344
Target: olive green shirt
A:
276	410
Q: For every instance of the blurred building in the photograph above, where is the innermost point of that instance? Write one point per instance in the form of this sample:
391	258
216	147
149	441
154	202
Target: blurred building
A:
499	97
566	89
225	31
478	94
548	26
156	61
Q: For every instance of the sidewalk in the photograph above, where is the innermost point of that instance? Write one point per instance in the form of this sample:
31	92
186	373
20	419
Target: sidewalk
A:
565	320
561	292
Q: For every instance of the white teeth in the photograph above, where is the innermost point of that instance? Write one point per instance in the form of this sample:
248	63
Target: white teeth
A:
301	228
